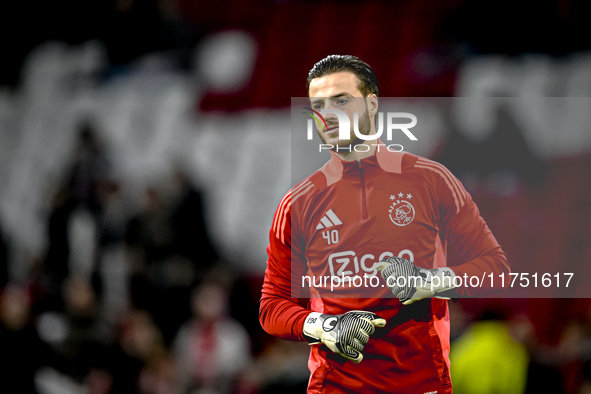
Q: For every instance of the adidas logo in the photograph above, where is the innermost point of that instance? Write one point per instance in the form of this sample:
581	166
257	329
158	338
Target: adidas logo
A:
328	220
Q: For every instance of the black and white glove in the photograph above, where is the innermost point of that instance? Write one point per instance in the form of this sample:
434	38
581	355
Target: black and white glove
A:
410	283
345	334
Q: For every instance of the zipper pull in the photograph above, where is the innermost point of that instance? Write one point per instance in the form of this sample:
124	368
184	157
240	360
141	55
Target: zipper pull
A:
359	166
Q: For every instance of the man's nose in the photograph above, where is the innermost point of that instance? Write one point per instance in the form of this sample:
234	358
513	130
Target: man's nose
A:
331	118
330	115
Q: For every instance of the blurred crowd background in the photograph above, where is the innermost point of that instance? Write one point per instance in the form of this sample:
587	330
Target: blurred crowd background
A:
145	144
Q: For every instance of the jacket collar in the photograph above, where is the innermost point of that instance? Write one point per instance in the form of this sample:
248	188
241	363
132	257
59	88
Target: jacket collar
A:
382	159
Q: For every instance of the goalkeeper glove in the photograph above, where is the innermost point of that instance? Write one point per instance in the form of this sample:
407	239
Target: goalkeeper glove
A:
345	334
418	283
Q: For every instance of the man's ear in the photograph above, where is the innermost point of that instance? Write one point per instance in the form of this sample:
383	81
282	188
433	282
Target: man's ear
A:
372	104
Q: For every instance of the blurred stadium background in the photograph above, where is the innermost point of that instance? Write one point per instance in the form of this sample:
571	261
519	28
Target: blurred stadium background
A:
144	146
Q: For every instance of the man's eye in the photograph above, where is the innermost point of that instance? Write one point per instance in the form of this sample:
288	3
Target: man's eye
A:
342	101
317	107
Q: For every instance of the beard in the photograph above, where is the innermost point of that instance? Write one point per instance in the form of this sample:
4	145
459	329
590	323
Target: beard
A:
364	129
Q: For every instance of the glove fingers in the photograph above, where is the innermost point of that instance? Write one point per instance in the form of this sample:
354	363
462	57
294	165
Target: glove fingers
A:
363	337
370	328
363	321
391	270
354	356
408	292
351	350
374	321
366	326
378	322
356	345
353	333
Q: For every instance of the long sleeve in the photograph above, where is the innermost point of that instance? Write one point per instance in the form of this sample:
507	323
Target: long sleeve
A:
281	313
467	232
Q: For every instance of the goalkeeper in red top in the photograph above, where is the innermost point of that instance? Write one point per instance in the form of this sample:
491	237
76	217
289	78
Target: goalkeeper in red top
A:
387	216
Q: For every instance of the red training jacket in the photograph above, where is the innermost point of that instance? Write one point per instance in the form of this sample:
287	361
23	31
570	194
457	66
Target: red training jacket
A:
339	222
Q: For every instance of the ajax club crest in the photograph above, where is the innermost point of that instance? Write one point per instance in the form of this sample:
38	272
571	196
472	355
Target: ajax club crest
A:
401	211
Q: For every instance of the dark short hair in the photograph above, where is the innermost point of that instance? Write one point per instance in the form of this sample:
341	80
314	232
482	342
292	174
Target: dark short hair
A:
368	82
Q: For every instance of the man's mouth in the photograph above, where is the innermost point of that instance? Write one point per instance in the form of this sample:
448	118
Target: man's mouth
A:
332	128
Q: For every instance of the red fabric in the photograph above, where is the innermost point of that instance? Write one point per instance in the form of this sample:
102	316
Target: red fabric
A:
411	353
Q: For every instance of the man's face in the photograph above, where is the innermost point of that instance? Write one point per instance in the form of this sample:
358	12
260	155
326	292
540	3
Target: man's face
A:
339	91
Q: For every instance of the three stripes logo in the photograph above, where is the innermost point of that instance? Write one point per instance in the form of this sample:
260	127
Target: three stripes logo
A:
330	219
283	211
452	183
